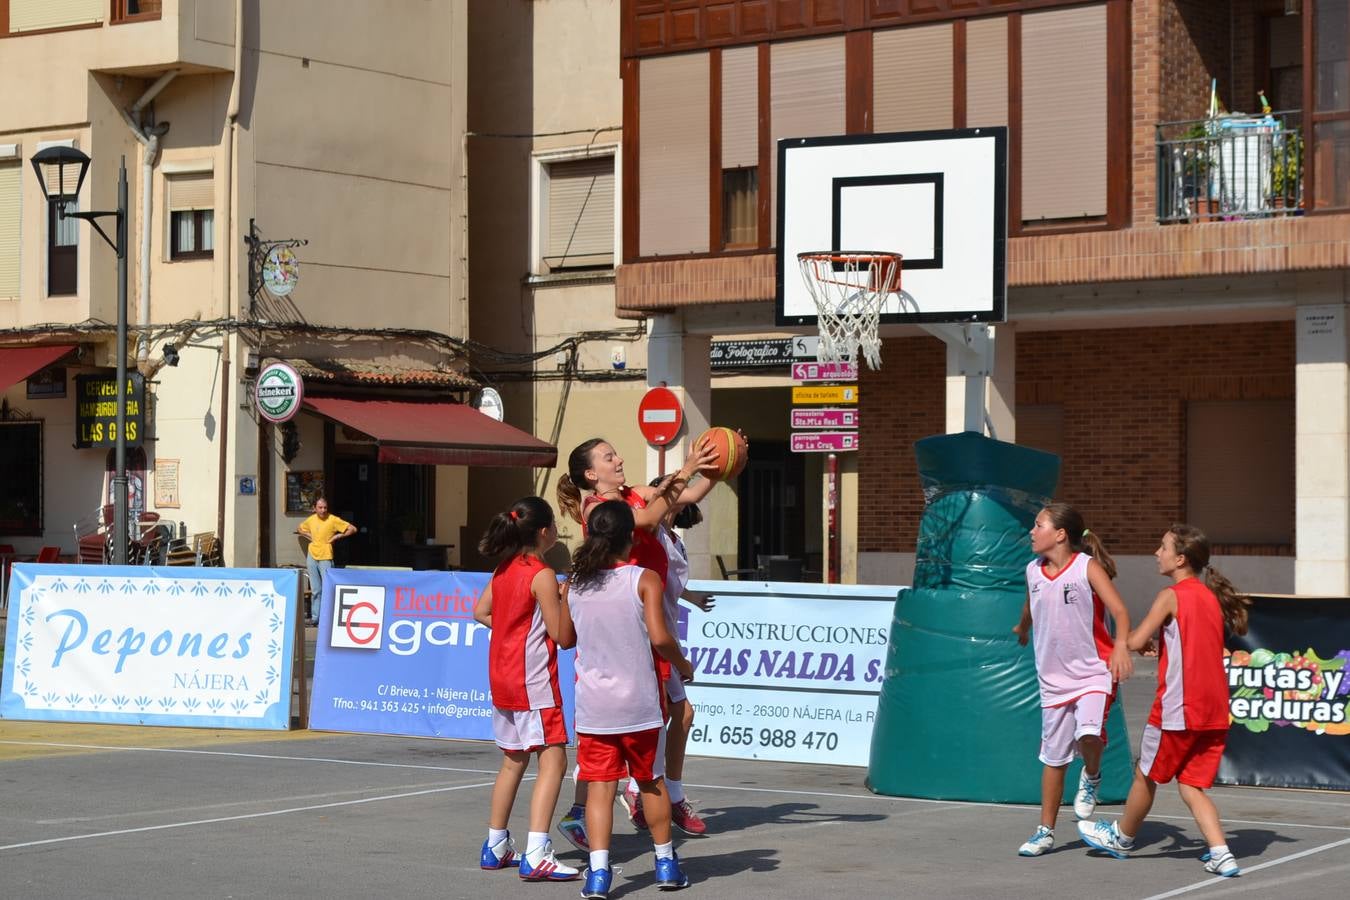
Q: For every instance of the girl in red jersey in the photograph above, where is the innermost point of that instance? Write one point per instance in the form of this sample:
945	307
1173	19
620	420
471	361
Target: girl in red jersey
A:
521	606
1078	664
617	610
1188	726
596	467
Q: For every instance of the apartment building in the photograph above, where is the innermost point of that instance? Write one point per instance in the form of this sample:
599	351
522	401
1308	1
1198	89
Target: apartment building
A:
1177	281
333	132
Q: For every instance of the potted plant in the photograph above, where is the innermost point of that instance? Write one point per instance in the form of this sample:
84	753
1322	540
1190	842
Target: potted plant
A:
1195	173
1286	170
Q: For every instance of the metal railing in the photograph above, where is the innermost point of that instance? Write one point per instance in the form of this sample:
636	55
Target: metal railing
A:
1230	167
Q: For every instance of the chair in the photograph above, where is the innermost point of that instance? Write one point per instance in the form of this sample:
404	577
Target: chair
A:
728	574
204	550
49	555
783	568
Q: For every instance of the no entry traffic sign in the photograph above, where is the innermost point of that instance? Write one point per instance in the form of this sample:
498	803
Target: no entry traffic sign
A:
660	416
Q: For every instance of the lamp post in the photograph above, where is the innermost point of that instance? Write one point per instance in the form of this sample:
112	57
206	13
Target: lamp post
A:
62	159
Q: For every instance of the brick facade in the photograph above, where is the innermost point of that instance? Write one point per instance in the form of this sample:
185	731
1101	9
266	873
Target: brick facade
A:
1124	394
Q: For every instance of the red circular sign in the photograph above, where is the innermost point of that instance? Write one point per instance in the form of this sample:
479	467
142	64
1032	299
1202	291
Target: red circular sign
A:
660	416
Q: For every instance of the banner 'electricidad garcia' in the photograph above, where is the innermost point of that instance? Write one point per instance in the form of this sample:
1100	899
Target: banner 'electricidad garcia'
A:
1288	696
96	410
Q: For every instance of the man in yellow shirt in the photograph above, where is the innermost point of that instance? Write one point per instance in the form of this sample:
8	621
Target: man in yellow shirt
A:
322	530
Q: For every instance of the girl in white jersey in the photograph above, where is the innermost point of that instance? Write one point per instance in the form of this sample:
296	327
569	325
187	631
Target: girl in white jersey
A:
1078	664
679	710
617	610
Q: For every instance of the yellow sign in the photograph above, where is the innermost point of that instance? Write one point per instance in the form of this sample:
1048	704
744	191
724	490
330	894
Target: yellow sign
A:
839	393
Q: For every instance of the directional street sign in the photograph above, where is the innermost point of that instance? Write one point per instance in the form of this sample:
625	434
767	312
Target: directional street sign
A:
824	441
825	417
824	371
839	393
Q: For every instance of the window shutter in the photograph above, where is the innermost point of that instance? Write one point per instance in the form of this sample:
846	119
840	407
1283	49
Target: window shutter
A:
806	98
9	228
986	72
580	213
188	192
1064	113
32	15
1240	470
673	154
740	107
912	78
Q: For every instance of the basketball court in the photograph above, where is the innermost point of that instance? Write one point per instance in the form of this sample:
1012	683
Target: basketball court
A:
115	811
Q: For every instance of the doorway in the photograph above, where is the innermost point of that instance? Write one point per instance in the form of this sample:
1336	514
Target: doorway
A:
355	498
772	492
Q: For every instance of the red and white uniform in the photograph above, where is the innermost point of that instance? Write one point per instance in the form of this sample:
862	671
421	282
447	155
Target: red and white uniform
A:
677	576
522	658
1192	684
1188	725
647	551
1068	632
617	687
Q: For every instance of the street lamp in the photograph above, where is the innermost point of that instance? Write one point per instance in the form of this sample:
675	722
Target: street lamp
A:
70	165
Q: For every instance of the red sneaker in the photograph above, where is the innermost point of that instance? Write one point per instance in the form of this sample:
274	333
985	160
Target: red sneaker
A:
632	804
683	817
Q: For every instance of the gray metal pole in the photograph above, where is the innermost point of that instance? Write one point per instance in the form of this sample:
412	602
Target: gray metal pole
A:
120	529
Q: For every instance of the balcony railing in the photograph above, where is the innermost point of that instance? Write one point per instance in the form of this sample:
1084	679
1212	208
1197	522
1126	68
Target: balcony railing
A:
1230	167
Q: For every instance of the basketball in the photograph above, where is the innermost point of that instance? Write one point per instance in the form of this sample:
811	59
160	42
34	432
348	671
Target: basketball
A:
732	452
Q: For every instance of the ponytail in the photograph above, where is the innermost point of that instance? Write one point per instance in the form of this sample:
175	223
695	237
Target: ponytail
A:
511	532
571	482
1233	604
609	536
1192	544
1081	540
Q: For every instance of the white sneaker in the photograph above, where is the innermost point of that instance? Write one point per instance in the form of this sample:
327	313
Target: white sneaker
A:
541	864
1085	801
1105	837
1040	842
1224	865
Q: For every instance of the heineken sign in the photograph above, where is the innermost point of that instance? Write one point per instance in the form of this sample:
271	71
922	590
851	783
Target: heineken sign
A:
278	393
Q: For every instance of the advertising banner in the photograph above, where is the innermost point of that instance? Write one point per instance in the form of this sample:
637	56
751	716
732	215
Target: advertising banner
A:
787	672
1288	696
142	645
399	652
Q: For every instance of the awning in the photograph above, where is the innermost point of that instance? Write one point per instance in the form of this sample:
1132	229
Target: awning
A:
17	363
437	434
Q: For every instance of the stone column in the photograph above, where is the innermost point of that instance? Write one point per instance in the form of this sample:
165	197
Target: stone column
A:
1322	464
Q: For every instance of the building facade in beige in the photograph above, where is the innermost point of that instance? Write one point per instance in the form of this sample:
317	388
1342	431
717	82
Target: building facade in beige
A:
334	133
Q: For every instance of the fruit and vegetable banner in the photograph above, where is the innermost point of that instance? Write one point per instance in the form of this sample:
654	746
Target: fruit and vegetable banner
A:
1288	696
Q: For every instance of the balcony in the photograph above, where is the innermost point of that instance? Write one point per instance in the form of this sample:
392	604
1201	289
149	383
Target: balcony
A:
1230	167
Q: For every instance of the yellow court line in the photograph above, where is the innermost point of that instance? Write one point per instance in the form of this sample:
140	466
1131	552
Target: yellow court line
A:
31	740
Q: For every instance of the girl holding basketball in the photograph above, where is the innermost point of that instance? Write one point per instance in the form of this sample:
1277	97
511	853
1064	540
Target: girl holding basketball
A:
522	608
1188	726
596	467
617	611
1078	664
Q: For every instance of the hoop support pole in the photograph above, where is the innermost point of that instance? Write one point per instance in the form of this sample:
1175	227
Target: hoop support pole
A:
970	353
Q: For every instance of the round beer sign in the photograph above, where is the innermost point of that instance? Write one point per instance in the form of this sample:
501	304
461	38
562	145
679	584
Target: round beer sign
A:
280	271
278	393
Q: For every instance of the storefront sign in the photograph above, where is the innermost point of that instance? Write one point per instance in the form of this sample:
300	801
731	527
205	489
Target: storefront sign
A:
133	645
96	410
278	393
1289	696
784	675
750	354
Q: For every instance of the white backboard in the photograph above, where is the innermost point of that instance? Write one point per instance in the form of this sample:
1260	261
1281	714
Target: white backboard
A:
939	198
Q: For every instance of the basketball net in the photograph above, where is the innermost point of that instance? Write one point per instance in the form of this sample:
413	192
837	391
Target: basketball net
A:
849	289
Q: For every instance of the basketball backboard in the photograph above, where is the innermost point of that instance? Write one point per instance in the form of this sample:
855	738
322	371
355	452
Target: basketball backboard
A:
939	198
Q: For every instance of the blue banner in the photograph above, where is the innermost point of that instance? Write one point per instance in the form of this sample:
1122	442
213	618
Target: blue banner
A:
142	645
399	652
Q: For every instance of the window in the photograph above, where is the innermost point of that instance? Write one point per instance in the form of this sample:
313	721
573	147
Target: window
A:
191	216
579	216
1240	470
21	460
1331	103
40	15
673	151
63	245
135	10
10	178
740	207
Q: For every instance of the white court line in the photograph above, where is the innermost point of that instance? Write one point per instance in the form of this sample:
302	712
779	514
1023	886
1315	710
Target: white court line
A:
261	815
1214	879
305	759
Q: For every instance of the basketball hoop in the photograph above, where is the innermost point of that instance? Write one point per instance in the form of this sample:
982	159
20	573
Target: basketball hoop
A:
849	288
